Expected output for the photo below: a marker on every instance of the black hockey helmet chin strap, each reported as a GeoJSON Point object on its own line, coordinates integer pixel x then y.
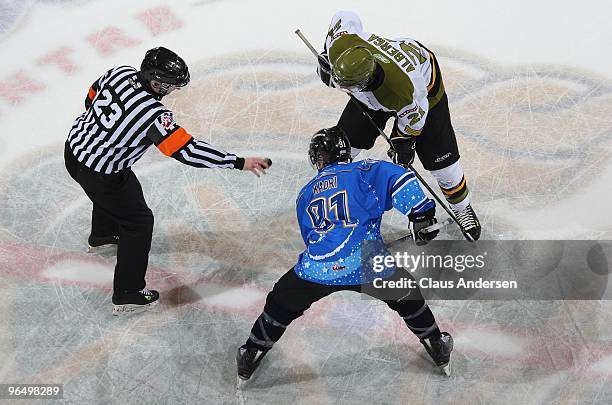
{"type": "Point", "coordinates": [147, 86]}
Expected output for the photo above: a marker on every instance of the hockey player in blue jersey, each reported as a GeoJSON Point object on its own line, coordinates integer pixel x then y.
{"type": "Point", "coordinates": [339, 209]}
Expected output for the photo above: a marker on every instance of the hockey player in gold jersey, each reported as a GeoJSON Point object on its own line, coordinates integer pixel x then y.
{"type": "Point", "coordinates": [397, 78]}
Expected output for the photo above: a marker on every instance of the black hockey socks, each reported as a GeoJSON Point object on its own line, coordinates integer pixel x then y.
{"type": "Point", "coordinates": [417, 316]}
{"type": "Point", "coordinates": [422, 322]}
{"type": "Point", "coordinates": [265, 332]}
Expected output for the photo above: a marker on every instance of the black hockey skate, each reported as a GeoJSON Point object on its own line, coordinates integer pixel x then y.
{"type": "Point", "coordinates": [469, 222]}
{"type": "Point", "coordinates": [101, 242]}
{"type": "Point", "coordinates": [439, 349]}
{"type": "Point", "coordinates": [247, 361]}
{"type": "Point", "coordinates": [133, 302]}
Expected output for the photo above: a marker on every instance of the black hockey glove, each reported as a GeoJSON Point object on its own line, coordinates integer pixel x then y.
{"type": "Point", "coordinates": [419, 223]}
{"type": "Point", "coordinates": [402, 151]}
{"type": "Point", "coordinates": [324, 69]}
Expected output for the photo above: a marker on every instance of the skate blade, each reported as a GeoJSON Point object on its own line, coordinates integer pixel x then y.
{"type": "Point", "coordinates": [101, 248]}
{"type": "Point", "coordinates": [128, 309]}
{"type": "Point", "coordinates": [240, 382]}
{"type": "Point", "coordinates": [446, 369]}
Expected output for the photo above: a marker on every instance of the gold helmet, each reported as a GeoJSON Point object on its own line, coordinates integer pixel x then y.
{"type": "Point", "coordinates": [354, 69]}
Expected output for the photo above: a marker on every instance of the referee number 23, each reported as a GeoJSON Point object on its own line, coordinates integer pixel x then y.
{"type": "Point", "coordinates": [107, 109]}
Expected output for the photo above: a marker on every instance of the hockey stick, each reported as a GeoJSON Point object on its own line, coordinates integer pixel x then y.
{"type": "Point", "coordinates": [382, 133]}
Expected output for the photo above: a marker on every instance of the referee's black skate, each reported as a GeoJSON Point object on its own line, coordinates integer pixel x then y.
{"type": "Point", "coordinates": [439, 349]}
{"type": "Point", "coordinates": [247, 361]}
{"type": "Point", "coordinates": [97, 243]}
{"type": "Point", "coordinates": [133, 302]}
{"type": "Point", "coordinates": [469, 221]}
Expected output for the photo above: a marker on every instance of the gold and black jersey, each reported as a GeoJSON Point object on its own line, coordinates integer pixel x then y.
{"type": "Point", "coordinates": [412, 82]}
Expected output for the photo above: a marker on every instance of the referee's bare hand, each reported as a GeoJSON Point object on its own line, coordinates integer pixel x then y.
{"type": "Point", "coordinates": [255, 165]}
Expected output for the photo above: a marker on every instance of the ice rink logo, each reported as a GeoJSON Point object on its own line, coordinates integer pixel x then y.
{"type": "Point", "coordinates": [527, 135]}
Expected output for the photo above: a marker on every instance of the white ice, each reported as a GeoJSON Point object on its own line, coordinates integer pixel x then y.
{"type": "Point", "coordinates": [530, 90]}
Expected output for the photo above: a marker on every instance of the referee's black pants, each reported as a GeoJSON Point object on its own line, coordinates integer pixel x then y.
{"type": "Point", "coordinates": [119, 208]}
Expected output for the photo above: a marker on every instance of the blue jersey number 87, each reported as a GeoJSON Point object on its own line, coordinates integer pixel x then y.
{"type": "Point", "coordinates": [320, 211]}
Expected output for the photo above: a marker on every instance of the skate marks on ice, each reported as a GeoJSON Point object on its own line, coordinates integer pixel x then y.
{"type": "Point", "coordinates": [529, 135]}
{"type": "Point", "coordinates": [507, 119]}
{"type": "Point", "coordinates": [526, 132]}
{"type": "Point", "coordinates": [492, 363]}
{"type": "Point", "coordinates": [222, 239]}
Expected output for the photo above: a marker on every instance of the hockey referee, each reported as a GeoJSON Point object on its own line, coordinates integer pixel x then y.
{"type": "Point", "coordinates": [123, 117]}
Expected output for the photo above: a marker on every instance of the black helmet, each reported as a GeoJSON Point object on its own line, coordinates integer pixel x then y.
{"type": "Point", "coordinates": [163, 65]}
{"type": "Point", "coordinates": [329, 145]}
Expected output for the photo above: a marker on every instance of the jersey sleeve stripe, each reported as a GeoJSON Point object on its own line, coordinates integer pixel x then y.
{"type": "Point", "coordinates": [433, 72]}
{"type": "Point", "coordinates": [421, 204]}
{"type": "Point", "coordinates": [195, 162]}
{"type": "Point", "coordinates": [402, 181]}
{"type": "Point", "coordinates": [191, 159]}
{"type": "Point", "coordinates": [454, 190]}
{"type": "Point", "coordinates": [174, 142]}
{"type": "Point", "coordinates": [407, 182]}
{"type": "Point", "coordinates": [196, 150]}
{"type": "Point", "coordinates": [92, 93]}
{"type": "Point", "coordinates": [411, 132]}
{"type": "Point", "coordinates": [206, 147]}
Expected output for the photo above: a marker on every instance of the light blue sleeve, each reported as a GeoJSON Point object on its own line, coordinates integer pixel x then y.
{"type": "Point", "coordinates": [398, 188]}
{"type": "Point", "coordinates": [300, 207]}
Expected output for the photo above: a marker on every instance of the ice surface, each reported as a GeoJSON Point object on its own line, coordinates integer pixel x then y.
{"type": "Point", "coordinates": [531, 101]}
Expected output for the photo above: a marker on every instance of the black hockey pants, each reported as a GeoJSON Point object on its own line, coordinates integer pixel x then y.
{"type": "Point", "coordinates": [119, 208]}
{"type": "Point", "coordinates": [291, 296]}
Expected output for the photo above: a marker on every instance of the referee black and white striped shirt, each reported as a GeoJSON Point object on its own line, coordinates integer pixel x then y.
{"type": "Point", "coordinates": [122, 119]}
